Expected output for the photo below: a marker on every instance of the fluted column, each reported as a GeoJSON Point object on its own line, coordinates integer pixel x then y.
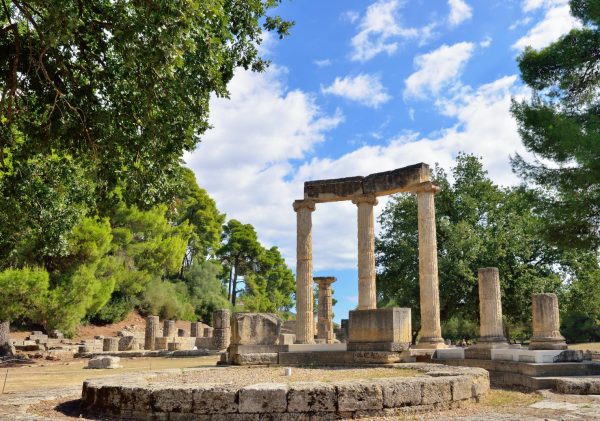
{"type": "Point", "coordinates": [367, 298]}
{"type": "Point", "coordinates": [304, 292]}
{"type": "Point", "coordinates": [546, 323]}
{"type": "Point", "coordinates": [490, 306]}
{"type": "Point", "coordinates": [431, 330]}
{"type": "Point", "coordinates": [325, 311]}
{"type": "Point", "coordinates": [151, 332]}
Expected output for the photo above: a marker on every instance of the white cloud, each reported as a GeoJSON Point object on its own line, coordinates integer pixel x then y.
{"type": "Point", "coordinates": [365, 89]}
{"type": "Point", "coordinates": [557, 21]}
{"type": "Point", "coordinates": [437, 69]}
{"type": "Point", "coordinates": [531, 5]}
{"type": "Point", "coordinates": [460, 11]}
{"type": "Point", "coordinates": [487, 41]}
{"type": "Point", "coordinates": [246, 162]}
{"type": "Point", "coordinates": [322, 63]}
{"type": "Point", "coordinates": [521, 22]}
{"type": "Point", "coordinates": [350, 16]}
{"type": "Point", "coordinates": [379, 30]}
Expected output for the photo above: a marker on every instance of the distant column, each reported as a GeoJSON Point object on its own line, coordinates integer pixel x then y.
{"type": "Point", "coordinates": [195, 329]}
{"type": "Point", "coordinates": [325, 311]}
{"type": "Point", "coordinates": [221, 328]}
{"type": "Point", "coordinates": [367, 294]}
{"type": "Point", "coordinates": [546, 323]}
{"type": "Point", "coordinates": [304, 292]}
{"type": "Point", "coordinates": [151, 332]}
{"type": "Point", "coordinates": [431, 330]}
{"type": "Point", "coordinates": [490, 306]}
{"type": "Point", "coordinates": [110, 344]}
{"type": "Point", "coordinates": [169, 329]}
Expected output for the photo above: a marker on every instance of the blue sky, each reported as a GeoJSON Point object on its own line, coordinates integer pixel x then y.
{"type": "Point", "coordinates": [366, 86]}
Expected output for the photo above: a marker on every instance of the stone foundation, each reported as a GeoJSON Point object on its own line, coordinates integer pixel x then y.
{"type": "Point", "coordinates": [384, 329]}
{"type": "Point", "coordinates": [439, 387]}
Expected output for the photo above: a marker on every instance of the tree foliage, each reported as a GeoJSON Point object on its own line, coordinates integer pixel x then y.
{"type": "Point", "coordinates": [561, 125]}
{"type": "Point", "coordinates": [478, 225]}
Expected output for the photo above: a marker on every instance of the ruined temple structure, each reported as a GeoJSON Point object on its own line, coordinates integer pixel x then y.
{"type": "Point", "coordinates": [363, 192]}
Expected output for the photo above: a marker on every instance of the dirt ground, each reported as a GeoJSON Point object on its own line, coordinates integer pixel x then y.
{"type": "Point", "coordinates": [51, 391]}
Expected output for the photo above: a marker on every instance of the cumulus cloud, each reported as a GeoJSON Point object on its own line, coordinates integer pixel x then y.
{"type": "Point", "coordinates": [364, 88]}
{"type": "Point", "coordinates": [260, 151]}
{"type": "Point", "coordinates": [556, 22]}
{"type": "Point", "coordinates": [437, 69]}
{"type": "Point", "coordinates": [322, 63]}
{"type": "Point", "coordinates": [379, 30]}
{"type": "Point", "coordinates": [350, 16]}
{"type": "Point", "coordinates": [460, 11]}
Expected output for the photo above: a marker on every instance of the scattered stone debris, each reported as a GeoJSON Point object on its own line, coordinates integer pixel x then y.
{"type": "Point", "coordinates": [104, 362]}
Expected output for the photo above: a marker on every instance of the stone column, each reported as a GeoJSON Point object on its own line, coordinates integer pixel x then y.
{"type": "Point", "coordinates": [195, 329]}
{"type": "Point", "coordinates": [221, 329]}
{"type": "Point", "coordinates": [151, 332]}
{"type": "Point", "coordinates": [304, 292]}
{"type": "Point", "coordinates": [367, 295]}
{"type": "Point", "coordinates": [169, 329]}
{"type": "Point", "coordinates": [431, 330]}
{"type": "Point", "coordinates": [546, 323]}
{"type": "Point", "coordinates": [325, 311]}
{"type": "Point", "coordinates": [490, 307]}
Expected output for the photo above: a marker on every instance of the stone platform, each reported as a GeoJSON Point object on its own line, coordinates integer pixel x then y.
{"type": "Point", "coordinates": [134, 397]}
{"type": "Point", "coordinates": [534, 376]}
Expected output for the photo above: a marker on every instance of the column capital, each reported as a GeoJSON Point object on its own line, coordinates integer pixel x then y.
{"type": "Point", "coordinates": [324, 280]}
{"type": "Point", "coordinates": [365, 198]}
{"type": "Point", "coordinates": [304, 204]}
{"type": "Point", "coordinates": [426, 187]}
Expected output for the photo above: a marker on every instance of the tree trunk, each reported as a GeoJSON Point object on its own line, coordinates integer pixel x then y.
{"type": "Point", "coordinates": [234, 289]}
{"type": "Point", "coordinates": [230, 282]}
{"type": "Point", "coordinates": [5, 347]}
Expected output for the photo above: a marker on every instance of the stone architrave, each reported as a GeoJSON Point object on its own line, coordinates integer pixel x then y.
{"type": "Point", "coordinates": [367, 298]}
{"type": "Point", "coordinates": [169, 330]}
{"type": "Point", "coordinates": [325, 309]}
{"type": "Point", "coordinates": [304, 292]}
{"type": "Point", "coordinates": [546, 323]}
{"type": "Point", "coordinates": [491, 331]}
{"type": "Point", "coordinates": [151, 332]}
{"type": "Point", "coordinates": [431, 329]}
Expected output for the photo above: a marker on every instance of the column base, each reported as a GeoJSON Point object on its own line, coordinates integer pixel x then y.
{"type": "Point", "coordinates": [547, 343]}
{"type": "Point", "coordinates": [482, 350]}
{"type": "Point", "coordinates": [431, 343]}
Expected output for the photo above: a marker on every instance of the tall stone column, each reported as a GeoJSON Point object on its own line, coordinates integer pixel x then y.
{"type": "Point", "coordinates": [169, 330]}
{"type": "Point", "coordinates": [304, 292]}
{"type": "Point", "coordinates": [325, 311]}
{"type": "Point", "coordinates": [431, 330]}
{"type": "Point", "coordinates": [367, 295]}
{"type": "Point", "coordinates": [546, 323]}
{"type": "Point", "coordinates": [151, 332]}
{"type": "Point", "coordinates": [490, 307]}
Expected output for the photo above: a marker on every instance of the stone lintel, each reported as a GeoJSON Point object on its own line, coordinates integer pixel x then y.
{"type": "Point", "coordinates": [378, 184]}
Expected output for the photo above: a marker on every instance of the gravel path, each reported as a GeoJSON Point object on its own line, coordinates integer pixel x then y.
{"type": "Point", "coordinates": [243, 376]}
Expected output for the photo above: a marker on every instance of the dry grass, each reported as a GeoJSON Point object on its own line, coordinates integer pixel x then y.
{"type": "Point", "coordinates": [243, 376]}
{"type": "Point", "coordinates": [591, 346]}
{"type": "Point", "coordinates": [499, 398]}
{"type": "Point", "coordinates": [60, 374]}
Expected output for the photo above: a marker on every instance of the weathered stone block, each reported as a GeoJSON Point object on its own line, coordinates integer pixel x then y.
{"type": "Point", "coordinates": [436, 390]}
{"type": "Point", "coordinates": [569, 356]}
{"type": "Point", "coordinates": [208, 332]}
{"type": "Point", "coordinates": [161, 343]}
{"type": "Point", "coordinates": [263, 398]}
{"type": "Point", "coordinates": [255, 359]}
{"type": "Point", "coordinates": [196, 330]}
{"type": "Point", "coordinates": [182, 333]}
{"type": "Point", "coordinates": [172, 400]}
{"type": "Point", "coordinates": [174, 346]}
{"type": "Point", "coordinates": [104, 362]}
{"type": "Point", "coordinates": [255, 328]}
{"type": "Point", "coordinates": [403, 392]}
{"type": "Point", "coordinates": [287, 339]}
{"type": "Point", "coordinates": [311, 397]}
{"type": "Point", "coordinates": [136, 399]}
{"type": "Point", "coordinates": [355, 396]}
{"type": "Point", "coordinates": [110, 344]}
{"type": "Point", "coordinates": [385, 329]}
{"type": "Point", "coordinates": [214, 399]}
{"type": "Point", "coordinates": [462, 388]}
{"type": "Point", "coordinates": [221, 338]}
{"type": "Point", "coordinates": [128, 343]}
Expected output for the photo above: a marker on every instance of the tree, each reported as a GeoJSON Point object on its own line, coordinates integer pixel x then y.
{"type": "Point", "coordinates": [239, 253]}
{"type": "Point", "coordinates": [23, 292]}
{"type": "Point", "coordinates": [123, 86]}
{"type": "Point", "coordinates": [561, 125]}
{"type": "Point", "coordinates": [270, 289]}
{"type": "Point", "coordinates": [205, 288]}
{"type": "Point", "coordinates": [478, 225]}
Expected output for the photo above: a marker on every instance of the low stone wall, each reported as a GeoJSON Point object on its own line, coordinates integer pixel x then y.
{"type": "Point", "coordinates": [134, 398]}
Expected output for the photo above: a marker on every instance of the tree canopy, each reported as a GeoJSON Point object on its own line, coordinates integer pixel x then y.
{"type": "Point", "coordinates": [560, 124]}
